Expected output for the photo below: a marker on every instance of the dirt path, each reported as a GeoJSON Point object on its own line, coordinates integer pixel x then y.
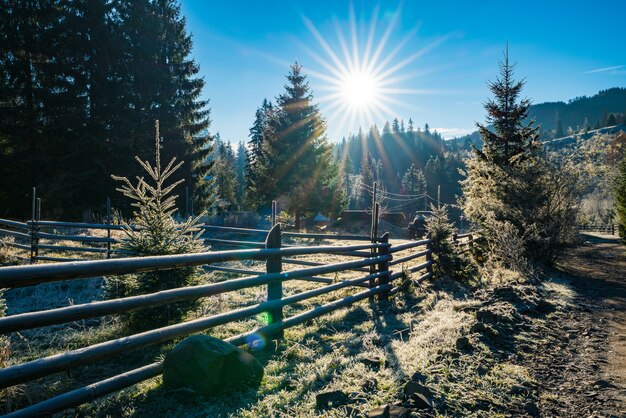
{"type": "Point", "coordinates": [583, 368]}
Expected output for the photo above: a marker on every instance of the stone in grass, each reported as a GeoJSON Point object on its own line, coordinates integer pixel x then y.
{"type": "Point", "coordinates": [332, 399]}
{"type": "Point", "coordinates": [374, 361]}
{"type": "Point", "coordinates": [463, 343]}
{"type": "Point", "coordinates": [208, 365]}
{"type": "Point", "coordinates": [419, 395]}
{"type": "Point", "coordinates": [531, 409]}
{"type": "Point", "coordinates": [419, 377]}
{"type": "Point", "coordinates": [389, 411]}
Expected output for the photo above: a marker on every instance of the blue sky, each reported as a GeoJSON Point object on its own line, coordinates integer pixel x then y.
{"type": "Point", "coordinates": [564, 49]}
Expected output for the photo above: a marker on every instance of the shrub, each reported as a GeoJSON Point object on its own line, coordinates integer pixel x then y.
{"type": "Point", "coordinates": [8, 254]}
{"type": "Point", "coordinates": [157, 233]}
{"type": "Point", "coordinates": [447, 261]}
{"type": "Point", "coordinates": [511, 181]}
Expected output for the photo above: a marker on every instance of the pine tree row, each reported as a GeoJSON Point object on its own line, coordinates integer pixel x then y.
{"type": "Point", "coordinates": [82, 84]}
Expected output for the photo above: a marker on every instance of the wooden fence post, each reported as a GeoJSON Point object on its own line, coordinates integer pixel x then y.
{"type": "Point", "coordinates": [109, 227]}
{"type": "Point", "coordinates": [372, 226]}
{"type": "Point", "coordinates": [273, 213]}
{"type": "Point", "coordinates": [274, 265]}
{"type": "Point", "coordinates": [455, 238]}
{"type": "Point", "coordinates": [383, 267]}
{"type": "Point", "coordinates": [33, 244]}
{"type": "Point", "coordinates": [471, 240]}
{"type": "Point", "coordinates": [429, 256]}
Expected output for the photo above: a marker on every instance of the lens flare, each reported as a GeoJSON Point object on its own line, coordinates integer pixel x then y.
{"type": "Point", "coordinates": [265, 318]}
{"type": "Point", "coordinates": [255, 341]}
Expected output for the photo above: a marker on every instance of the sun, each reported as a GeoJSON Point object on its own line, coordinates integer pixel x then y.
{"type": "Point", "coordinates": [359, 90]}
{"type": "Point", "coordinates": [360, 74]}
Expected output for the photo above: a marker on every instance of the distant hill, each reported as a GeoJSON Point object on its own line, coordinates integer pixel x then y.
{"type": "Point", "coordinates": [582, 112]}
{"type": "Point", "coordinates": [607, 108]}
{"type": "Point", "coordinates": [559, 143]}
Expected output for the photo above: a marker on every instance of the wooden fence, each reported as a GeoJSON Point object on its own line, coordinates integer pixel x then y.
{"type": "Point", "coordinates": [373, 263]}
{"type": "Point", "coordinates": [44, 240]}
{"type": "Point", "coordinates": [607, 229]}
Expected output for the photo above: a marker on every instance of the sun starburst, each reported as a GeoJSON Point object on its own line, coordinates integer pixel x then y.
{"type": "Point", "coordinates": [361, 77]}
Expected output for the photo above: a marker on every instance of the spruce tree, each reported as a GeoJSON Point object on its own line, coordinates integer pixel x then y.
{"type": "Point", "coordinates": [259, 186]}
{"type": "Point", "coordinates": [611, 120]}
{"type": "Point", "coordinates": [157, 233]}
{"type": "Point", "coordinates": [414, 183]}
{"type": "Point", "coordinates": [224, 175]}
{"type": "Point", "coordinates": [511, 139]}
{"type": "Point", "coordinates": [510, 182]}
{"type": "Point", "coordinates": [559, 130]}
{"type": "Point", "coordinates": [297, 153]}
{"type": "Point", "coordinates": [241, 159]}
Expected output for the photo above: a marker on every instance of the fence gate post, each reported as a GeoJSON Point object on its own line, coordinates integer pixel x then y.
{"type": "Point", "coordinates": [383, 267]}
{"type": "Point", "coordinates": [32, 226]}
{"type": "Point", "coordinates": [274, 265]}
{"type": "Point", "coordinates": [109, 228]}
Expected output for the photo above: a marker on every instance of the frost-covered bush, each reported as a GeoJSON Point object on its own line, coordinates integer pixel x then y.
{"type": "Point", "coordinates": [447, 261]}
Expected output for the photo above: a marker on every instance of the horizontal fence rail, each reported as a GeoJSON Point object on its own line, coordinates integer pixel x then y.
{"type": "Point", "coordinates": [369, 264]}
{"type": "Point", "coordinates": [18, 276]}
{"type": "Point", "coordinates": [34, 231]}
{"type": "Point", "coordinates": [610, 228]}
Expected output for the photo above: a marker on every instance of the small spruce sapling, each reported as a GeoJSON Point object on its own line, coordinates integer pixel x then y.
{"type": "Point", "coordinates": [156, 232]}
{"type": "Point", "coordinates": [447, 261]}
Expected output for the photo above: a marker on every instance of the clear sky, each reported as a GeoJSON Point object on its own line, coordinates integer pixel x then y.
{"type": "Point", "coordinates": [440, 56]}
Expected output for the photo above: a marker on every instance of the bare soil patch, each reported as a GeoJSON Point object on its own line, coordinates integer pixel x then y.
{"type": "Point", "coordinates": [583, 370]}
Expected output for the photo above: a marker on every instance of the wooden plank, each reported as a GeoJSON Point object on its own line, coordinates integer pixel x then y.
{"type": "Point", "coordinates": [246, 231]}
{"type": "Point", "coordinates": [115, 383]}
{"type": "Point", "coordinates": [69, 248]}
{"type": "Point", "coordinates": [15, 234]}
{"type": "Point", "coordinates": [402, 247]}
{"type": "Point", "coordinates": [89, 393]}
{"type": "Point", "coordinates": [58, 259]}
{"type": "Point", "coordinates": [16, 374]}
{"type": "Point", "coordinates": [232, 243]}
{"type": "Point", "coordinates": [30, 320]}
{"type": "Point", "coordinates": [80, 225]}
{"type": "Point", "coordinates": [274, 265]}
{"type": "Point", "coordinates": [409, 257]}
{"type": "Point", "coordinates": [309, 315]}
{"type": "Point", "coordinates": [16, 245]}
{"type": "Point", "coordinates": [80, 238]}
{"type": "Point", "coordinates": [326, 236]}
{"type": "Point", "coordinates": [14, 224]}
{"type": "Point", "coordinates": [17, 276]}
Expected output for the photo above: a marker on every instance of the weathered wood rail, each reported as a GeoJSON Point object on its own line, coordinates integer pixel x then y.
{"type": "Point", "coordinates": [44, 240]}
{"type": "Point", "coordinates": [372, 264]}
{"type": "Point", "coordinates": [607, 229]}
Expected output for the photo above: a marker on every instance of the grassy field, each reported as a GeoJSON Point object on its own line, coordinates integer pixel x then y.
{"type": "Point", "coordinates": [368, 351]}
{"type": "Point", "coordinates": [32, 344]}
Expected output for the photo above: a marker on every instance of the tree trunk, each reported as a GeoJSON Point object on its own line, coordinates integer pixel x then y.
{"type": "Point", "coordinates": [298, 215]}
